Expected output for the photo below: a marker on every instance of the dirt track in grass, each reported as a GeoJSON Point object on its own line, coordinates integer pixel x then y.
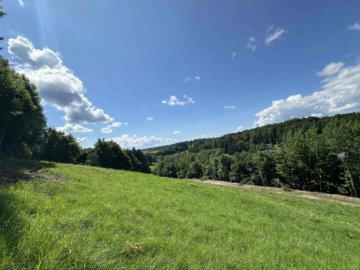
{"type": "Point", "coordinates": [345, 200]}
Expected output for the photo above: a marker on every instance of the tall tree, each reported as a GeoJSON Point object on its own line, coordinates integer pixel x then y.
{"type": "Point", "coordinates": [22, 120]}
{"type": "Point", "coordinates": [109, 154]}
{"type": "Point", "coordinates": [59, 147]}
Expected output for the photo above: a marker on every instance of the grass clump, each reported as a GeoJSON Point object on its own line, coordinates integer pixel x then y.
{"type": "Point", "coordinates": [107, 219]}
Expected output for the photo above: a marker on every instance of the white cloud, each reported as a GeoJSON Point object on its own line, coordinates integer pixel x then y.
{"type": "Point", "coordinates": [109, 129]}
{"type": "Point", "coordinates": [270, 27]}
{"type": "Point", "coordinates": [150, 118]}
{"type": "Point", "coordinates": [233, 55]}
{"type": "Point", "coordinates": [73, 128]}
{"type": "Point", "coordinates": [317, 115]}
{"type": "Point", "coordinates": [250, 44]}
{"type": "Point", "coordinates": [21, 2]}
{"type": "Point", "coordinates": [355, 26]}
{"type": "Point", "coordinates": [118, 124]}
{"type": "Point", "coordinates": [275, 35]}
{"type": "Point", "coordinates": [189, 99]}
{"type": "Point", "coordinates": [177, 132]}
{"type": "Point", "coordinates": [203, 136]}
{"type": "Point", "coordinates": [81, 140]}
{"type": "Point", "coordinates": [331, 69]}
{"type": "Point", "coordinates": [190, 78]}
{"type": "Point", "coordinates": [340, 94]}
{"type": "Point", "coordinates": [126, 141]}
{"type": "Point", "coordinates": [175, 101]}
{"type": "Point", "coordinates": [239, 128]}
{"type": "Point", "coordinates": [56, 83]}
{"type": "Point", "coordinates": [229, 107]}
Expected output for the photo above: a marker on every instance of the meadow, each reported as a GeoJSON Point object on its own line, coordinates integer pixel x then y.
{"type": "Point", "coordinates": [79, 217]}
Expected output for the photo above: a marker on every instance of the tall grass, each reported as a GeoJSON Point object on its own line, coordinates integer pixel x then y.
{"type": "Point", "coordinates": [95, 218]}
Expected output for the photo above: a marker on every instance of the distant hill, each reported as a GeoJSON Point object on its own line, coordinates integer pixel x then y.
{"type": "Point", "coordinates": [253, 139]}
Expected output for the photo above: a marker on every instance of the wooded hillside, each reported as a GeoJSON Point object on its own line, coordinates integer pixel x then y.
{"type": "Point", "coordinates": [316, 154]}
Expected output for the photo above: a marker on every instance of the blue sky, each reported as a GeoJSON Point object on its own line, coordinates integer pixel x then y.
{"type": "Point", "coordinates": [148, 73]}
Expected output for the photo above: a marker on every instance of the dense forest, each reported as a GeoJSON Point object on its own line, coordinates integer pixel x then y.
{"type": "Point", "coordinates": [315, 154]}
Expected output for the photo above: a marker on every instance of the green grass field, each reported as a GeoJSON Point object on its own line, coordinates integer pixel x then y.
{"type": "Point", "coordinates": [80, 217]}
{"type": "Point", "coordinates": [153, 166]}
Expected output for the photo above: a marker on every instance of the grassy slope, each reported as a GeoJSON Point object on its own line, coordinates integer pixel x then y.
{"type": "Point", "coordinates": [107, 219]}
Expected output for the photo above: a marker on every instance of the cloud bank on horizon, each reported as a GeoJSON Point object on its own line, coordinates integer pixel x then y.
{"type": "Point", "coordinates": [340, 94]}
{"type": "Point", "coordinates": [127, 141]}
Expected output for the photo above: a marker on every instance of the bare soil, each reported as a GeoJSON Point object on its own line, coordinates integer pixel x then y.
{"type": "Point", "coordinates": [8, 176]}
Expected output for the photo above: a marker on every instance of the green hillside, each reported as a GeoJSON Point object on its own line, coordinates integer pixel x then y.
{"type": "Point", "coordinates": [254, 139]}
{"type": "Point", "coordinates": [78, 217]}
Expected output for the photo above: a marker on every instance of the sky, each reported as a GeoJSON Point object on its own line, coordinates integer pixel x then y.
{"type": "Point", "coordinates": [146, 73]}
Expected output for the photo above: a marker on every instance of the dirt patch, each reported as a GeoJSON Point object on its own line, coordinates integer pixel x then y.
{"type": "Point", "coordinates": [8, 176]}
{"type": "Point", "coordinates": [345, 200]}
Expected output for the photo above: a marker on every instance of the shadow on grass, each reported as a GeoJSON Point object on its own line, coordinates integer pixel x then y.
{"type": "Point", "coordinates": [14, 170]}
{"type": "Point", "coordinates": [10, 223]}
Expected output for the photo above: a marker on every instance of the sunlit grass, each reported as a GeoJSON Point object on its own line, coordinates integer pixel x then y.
{"type": "Point", "coordinates": [108, 219]}
{"type": "Point", "coordinates": [153, 166]}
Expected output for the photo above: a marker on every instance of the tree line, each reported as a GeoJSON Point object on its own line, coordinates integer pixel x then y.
{"type": "Point", "coordinates": [24, 134]}
{"type": "Point", "coordinates": [315, 154]}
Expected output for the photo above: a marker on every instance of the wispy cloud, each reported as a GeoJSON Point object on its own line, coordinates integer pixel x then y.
{"type": "Point", "coordinates": [150, 118]}
{"type": "Point", "coordinates": [340, 94]}
{"type": "Point", "coordinates": [251, 44]}
{"type": "Point", "coordinates": [81, 140]}
{"type": "Point", "coordinates": [175, 101]}
{"type": "Point", "coordinates": [355, 26]}
{"type": "Point", "coordinates": [270, 27]}
{"type": "Point", "coordinates": [233, 55]}
{"type": "Point", "coordinates": [239, 128]}
{"type": "Point", "coordinates": [21, 2]}
{"type": "Point", "coordinates": [229, 107]}
{"type": "Point", "coordinates": [109, 128]}
{"type": "Point", "coordinates": [176, 132]}
{"type": "Point", "coordinates": [190, 78]}
{"type": "Point", "coordinates": [274, 35]}
{"type": "Point", "coordinates": [73, 128]}
{"type": "Point", "coordinates": [331, 69]}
